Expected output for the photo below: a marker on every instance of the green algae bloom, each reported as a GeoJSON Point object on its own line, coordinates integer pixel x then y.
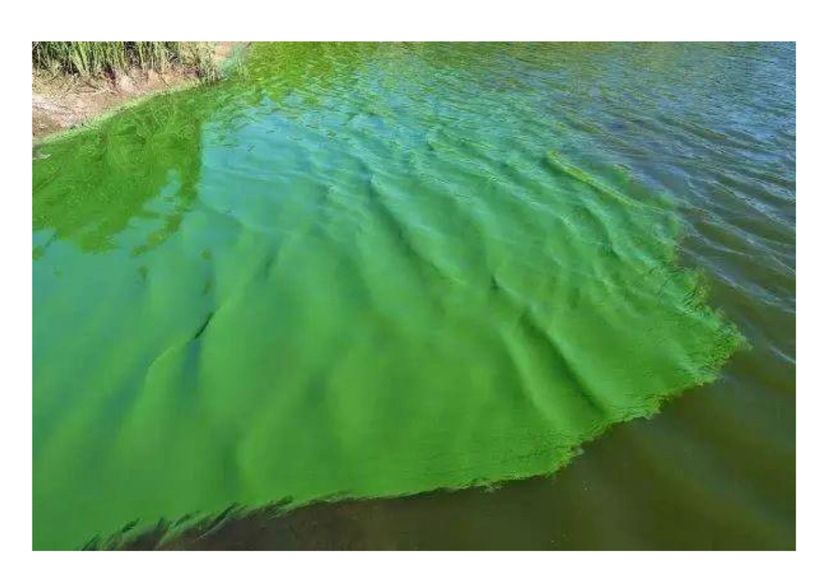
{"type": "Point", "coordinates": [350, 271]}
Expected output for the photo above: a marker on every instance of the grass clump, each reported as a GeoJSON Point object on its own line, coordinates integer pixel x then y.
{"type": "Point", "coordinates": [97, 58]}
{"type": "Point", "coordinates": [199, 57]}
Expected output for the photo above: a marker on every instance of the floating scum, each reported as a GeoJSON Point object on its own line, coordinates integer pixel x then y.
{"type": "Point", "coordinates": [350, 272]}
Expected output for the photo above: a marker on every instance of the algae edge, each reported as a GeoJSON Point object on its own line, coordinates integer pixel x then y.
{"type": "Point", "coordinates": [726, 341]}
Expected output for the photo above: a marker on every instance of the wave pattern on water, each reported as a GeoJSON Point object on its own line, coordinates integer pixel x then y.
{"type": "Point", "coordinates": [379, 270]}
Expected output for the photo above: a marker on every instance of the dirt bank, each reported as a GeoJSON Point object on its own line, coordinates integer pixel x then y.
{"type": "Point", "coordinates": [61, 102]}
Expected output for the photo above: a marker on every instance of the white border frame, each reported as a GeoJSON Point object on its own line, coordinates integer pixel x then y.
{"type": "Point", "coordinates": [795, 20]}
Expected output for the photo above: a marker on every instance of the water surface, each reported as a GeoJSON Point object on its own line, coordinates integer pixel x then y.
{"type": "Point", "coordinates": [361, 271]}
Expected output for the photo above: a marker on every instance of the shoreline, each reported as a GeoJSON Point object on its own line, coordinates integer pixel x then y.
{"type": "Point", "coordinates": [64, 104]}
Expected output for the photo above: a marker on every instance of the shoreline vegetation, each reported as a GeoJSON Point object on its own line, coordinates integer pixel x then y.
{"type": "Point", "coordinates": [77, 83]}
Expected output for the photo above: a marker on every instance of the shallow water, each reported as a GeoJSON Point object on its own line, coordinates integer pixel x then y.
{"type": "Point", "coordinates": [379, 270]}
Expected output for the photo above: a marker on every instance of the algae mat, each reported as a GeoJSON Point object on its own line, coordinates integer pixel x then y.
{"type": "Point", "coordinates": [348, 271]}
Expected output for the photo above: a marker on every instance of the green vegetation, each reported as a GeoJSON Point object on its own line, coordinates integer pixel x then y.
{"type": "Point", "coordinates": [96, 58]}
{"type": "Point", "coordinates": [313, 283]}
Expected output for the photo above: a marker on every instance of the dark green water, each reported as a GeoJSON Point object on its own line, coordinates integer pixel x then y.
{"type": "Point", "coordinates": [379, 270]}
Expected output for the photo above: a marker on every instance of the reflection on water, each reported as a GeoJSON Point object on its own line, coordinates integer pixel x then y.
{"type": "Point", "coordinates": [362, 270]}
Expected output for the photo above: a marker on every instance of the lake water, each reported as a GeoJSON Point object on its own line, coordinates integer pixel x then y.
{"type": "Point", "coordinates": [463, 294]}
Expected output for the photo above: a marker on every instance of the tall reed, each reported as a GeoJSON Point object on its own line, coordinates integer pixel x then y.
{"type": "Point", "coordinates": [96, 58]}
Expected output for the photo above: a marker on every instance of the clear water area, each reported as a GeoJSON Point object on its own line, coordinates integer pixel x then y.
{"type": "Point", "coordinates": [366, 273]}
